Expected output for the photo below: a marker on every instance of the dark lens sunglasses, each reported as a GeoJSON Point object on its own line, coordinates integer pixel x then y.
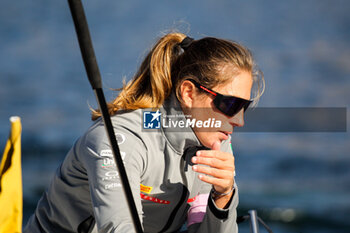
{"type": "Point", "coordinates": [227, 104]}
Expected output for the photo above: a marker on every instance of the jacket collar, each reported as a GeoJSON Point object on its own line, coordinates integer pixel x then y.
{"type": "Point", "coordinates": [180, 138]}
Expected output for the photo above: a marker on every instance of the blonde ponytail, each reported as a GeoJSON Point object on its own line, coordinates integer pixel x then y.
{"type": "Point", "coordinates": [166, 66]}
{"type": "Point", "coordinates": [152, 83]}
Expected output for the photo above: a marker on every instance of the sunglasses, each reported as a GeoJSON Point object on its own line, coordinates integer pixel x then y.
{"type": "Point", "coordinates": [227, 104]}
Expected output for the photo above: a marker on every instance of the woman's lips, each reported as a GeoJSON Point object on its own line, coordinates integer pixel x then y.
{"type": "Point", "coordinates": [226, 132]}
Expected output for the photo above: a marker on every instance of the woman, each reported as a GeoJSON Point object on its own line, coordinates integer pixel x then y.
{"type": "Point", "coordinates": [174, 136]}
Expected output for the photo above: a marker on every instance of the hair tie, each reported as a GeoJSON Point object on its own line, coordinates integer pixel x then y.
{"type": "Point", "coordinates": [185, 43]}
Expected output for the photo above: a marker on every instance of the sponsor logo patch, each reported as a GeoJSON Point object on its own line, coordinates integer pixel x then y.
{"type": "Point", "coordinates": [112, 185]}
{"type": "Point", "coordinates": [153, 199]}
{"type": "Point", "coordinates": [106, 153]}
{"type": "Point", "coordinates": [120, 138]}
{"type": "Point", "coordinates": [108, 161]}
{"type": "Point", "coordinates": [111, 175]}
{"type": "Point", "coordinates": [145, 189]}
{"type": "Point", "coordinates": [192, 199]}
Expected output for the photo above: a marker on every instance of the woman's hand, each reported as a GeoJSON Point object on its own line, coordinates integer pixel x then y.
{"type": "Point", "coordinates": [219, 171]}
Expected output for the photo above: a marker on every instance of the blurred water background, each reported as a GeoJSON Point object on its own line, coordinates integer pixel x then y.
{"type": "Point", "coordinates": [298, 182]}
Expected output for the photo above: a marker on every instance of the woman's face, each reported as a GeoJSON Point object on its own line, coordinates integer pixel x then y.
{"type": "Point", "coordinates": [199, 105]}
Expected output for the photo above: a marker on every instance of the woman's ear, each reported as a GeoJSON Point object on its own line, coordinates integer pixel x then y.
{"type": "Point", "coordinates": [188, 91]}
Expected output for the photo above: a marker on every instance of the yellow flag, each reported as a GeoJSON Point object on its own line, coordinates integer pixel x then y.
{"type": "Point", "coordinates": [11, 204]}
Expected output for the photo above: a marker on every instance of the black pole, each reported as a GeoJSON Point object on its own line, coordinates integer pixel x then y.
{"type": "Point", "coordinates": [92, 70]}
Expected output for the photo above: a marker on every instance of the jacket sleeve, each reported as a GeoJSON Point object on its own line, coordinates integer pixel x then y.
{"type": "Point", "coordinates": [108, 202]}
{"type": "Point", "coordinates": [213, 218]}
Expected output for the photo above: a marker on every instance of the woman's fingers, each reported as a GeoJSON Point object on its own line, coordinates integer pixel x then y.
{"type": "Point", "coordinates": [215, 163]}
{"type": "Point", "coordinates": [216, 159]}
{"type": "Point", "coordinates": [212, 162]}
{"type": "Point", "coordinates": [214, 154]}
{"type": "Point", "coordinates": [221, 185]}
{"type": "Point", "coordinates": [217, 173]}
{"type": "Point", "coordinates": [219, 169]}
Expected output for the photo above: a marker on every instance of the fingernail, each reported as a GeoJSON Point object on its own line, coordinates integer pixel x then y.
{"type": "Point", "coordinates": [198, 153]}
{"type": "Point", "coordinates": [194, 159]}
{"type": "Point", "coordinates": [200, 176]}
{"type": "Point", "coordinates": [194, 168]}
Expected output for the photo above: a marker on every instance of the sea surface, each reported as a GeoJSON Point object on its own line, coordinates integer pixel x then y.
{"type": "Point", "coordinates": [299, 182]}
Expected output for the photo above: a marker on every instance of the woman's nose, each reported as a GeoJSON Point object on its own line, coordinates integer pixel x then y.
{"type": "Point", "coordinates": [238, 119]}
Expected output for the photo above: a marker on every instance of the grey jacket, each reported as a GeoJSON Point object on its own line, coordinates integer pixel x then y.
{"type": "Point", "coordinates": [85, 194]}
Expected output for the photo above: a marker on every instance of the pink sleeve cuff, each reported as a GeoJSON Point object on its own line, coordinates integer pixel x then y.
{"type": "Point", "coordinates": [197, 210]}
